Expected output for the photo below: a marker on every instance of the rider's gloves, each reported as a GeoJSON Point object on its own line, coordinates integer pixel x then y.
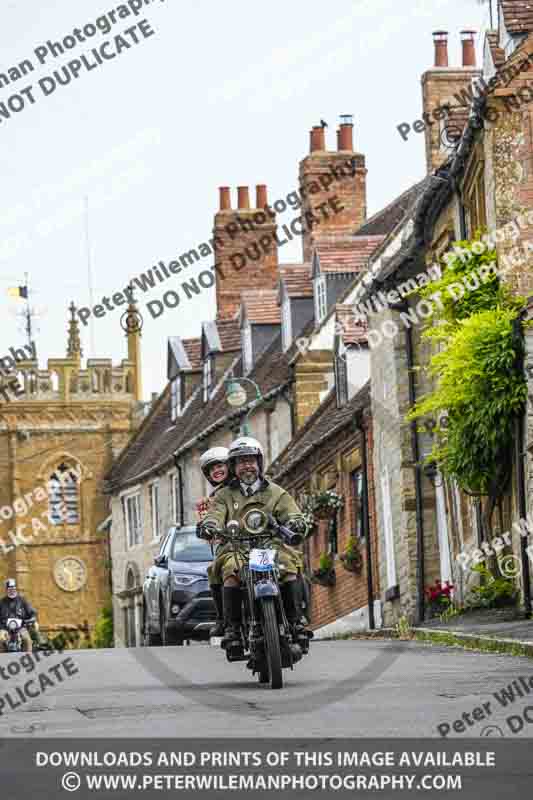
{"type": "Point", "coordinates": [297, 525]}
{"type": "Point", "coordinates": [206, 530]}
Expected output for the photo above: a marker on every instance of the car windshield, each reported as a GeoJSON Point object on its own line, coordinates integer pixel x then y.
{"type": "Point", "coordinates": [188, 547]}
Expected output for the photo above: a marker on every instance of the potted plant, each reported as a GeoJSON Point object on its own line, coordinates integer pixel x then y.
{"type": "Point", "coordinates": [325, 574]}
{"type": "Point", "coordinates": [352, 559]}
{"type": "Point", "coordinates": [493, 592]}
{"type": "Point", "coordinates": [326, 504]}
{"type": "Point", "coordinates": [439, 597]}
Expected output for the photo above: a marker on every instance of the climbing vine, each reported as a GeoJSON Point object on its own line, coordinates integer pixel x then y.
{"type": "Point", "coordinates": [479, 388]}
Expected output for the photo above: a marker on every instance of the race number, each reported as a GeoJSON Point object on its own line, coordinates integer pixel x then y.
{"type": "Point", "coordinates": [262, 560]}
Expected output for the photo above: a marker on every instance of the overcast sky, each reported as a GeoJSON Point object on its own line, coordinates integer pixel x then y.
{"type": "Point", "coordinates": [222, 94]}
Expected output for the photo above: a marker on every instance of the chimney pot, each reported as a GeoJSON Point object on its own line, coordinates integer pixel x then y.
{"type": "Point", "coordinates": [440, 38]}
{"type": "Point", "coordinates": [469, 48]}
{"type": "Point", "coordinates": [261, 195]}
{"type": "Point", "coordinates": [318, 139]}
{"type": "Point", "coordinates": [225, 198]}
{"type": "Point", "coordinates": [345, 135]}
{"type": "Point", "coordinates": [243, 197]}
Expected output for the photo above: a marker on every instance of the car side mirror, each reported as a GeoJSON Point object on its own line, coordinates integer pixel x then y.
{"type": "Point", "coordinates": [160, 561]}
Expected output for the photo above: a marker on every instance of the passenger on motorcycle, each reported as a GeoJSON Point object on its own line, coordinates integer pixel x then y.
{"type": "Point", "coordinates": [14, 605]}
{"type": "Point", "coordinates": [247, 489]}
{"type": "Point", "coordinates": [214, 465]}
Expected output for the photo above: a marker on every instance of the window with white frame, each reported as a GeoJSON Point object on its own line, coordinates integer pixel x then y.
{"type": "Point", "coordinates": [175, 497]}
{"type": "Point", "coordinates": [208, 377]}
{"type": "Point", "coordinates": [154, 510]}
{"type": "Point", "coordinates": [341, 375]}
{"type": "Point", "coordinates": [286, 325]}
{"type": "Point", "coordinates": [321, 304]}
{"type": "Point", "coordinates": [63, 496]}
{"type": "Point", "coordinates": [132, 517]}
{"type": "Point", "coordinates": [247, 348]}
{"type": "Point", "coordinates": [175, 398]}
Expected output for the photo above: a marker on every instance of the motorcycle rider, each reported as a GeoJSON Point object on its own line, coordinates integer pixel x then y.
{"type": "Point", "coordinates": [14, 605]}
{"type": "Point", "coordinates": [248, 488]}
{"type": "Point", "coordinates": [214, 465]}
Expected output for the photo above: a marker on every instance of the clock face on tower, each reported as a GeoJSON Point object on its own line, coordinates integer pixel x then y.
{"type": "Point", "coordinates": [70, 573]}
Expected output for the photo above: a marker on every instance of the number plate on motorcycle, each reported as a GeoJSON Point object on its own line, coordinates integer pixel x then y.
{"type": "Point", "coordinates": [262, 560]}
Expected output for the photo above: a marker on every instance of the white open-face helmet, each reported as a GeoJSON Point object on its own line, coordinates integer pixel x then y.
{"type": "Point", "coordinates": [212, 456]}
{"type": "Point", "coordinates": [246, 446]}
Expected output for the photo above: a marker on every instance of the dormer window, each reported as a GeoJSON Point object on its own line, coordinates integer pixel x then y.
{"type": "Point", "coordinates": [321, 305]}
{"type": "Point", "coordinates": [175, 398]}
{"type": "Point", "coordinates": [247, 348]}
{"type": "Point", "coordinates": [208, 377]}
{"type": "Point", "coordinates": [286, 325]}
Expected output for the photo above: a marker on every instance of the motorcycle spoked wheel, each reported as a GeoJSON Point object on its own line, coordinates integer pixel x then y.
{"type": "Point", "coordinates": [272, 645]}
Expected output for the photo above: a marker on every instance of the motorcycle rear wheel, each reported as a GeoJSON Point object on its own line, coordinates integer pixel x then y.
{"type": "Point", "coordinates": [272, 646]}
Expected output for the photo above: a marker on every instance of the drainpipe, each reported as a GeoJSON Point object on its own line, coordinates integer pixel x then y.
{"type": "Point", "coordinates": [462, 212]}
{"type": "Point", "coordinates": [366, 523]}
{"type": "Point", "coordinates": [180, 485]}
{"type": "Point", "coordinates": [520, 456]}
{"type": "Point", "coordinates": [420, 552]}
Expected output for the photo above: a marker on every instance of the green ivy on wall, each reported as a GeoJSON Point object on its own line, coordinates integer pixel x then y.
{"type": "Point", "coordinates": [479, 385]}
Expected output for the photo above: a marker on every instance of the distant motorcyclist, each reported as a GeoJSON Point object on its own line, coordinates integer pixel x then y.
{"type": "Point", "coordinates": [13, 605]}
{"type": "Point", "coordinates": [214, 465]}
{"type": "Point", "coordinates": [247, 489]}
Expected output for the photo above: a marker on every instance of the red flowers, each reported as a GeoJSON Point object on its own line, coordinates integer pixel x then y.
{"type": "Point", "coordinates": [439, 593]}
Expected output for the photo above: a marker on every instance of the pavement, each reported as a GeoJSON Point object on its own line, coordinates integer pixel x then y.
{"type": "Point", "coordinates": [500, 624]}
{"type": "Point", "coordinates": [364, 688]}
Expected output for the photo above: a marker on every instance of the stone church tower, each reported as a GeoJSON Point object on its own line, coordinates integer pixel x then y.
{"type": "Point", "coordinates": [58, 438]}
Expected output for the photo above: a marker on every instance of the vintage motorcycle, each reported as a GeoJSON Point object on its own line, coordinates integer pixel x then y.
{"type": "Point", "coordinates": [14, 626]}
{"type": "Point", "coordinates": [268, 643]}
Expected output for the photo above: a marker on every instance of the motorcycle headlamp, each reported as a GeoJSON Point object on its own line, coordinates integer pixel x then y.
{"type": "Point", "coordinates": [255, 521]}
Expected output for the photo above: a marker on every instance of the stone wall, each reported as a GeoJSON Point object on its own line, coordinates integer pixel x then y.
{"type": "Point", "coordinates": [33, 447]}
{"type": "Point", "coordinates": [311, 372]}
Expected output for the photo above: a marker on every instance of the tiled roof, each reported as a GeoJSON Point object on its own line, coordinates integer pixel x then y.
{"type": "Point", "coordinates": [327, 420]}
{"type": "Point", "coordinates": [385, 220]}
{"type": "Point", "coordinates": [261, 306]}
{"type": "Point", "coordinates": [498, 54]}
{"type": "Point", "coordinates": [153, 447]}
{"type": "Point", "coordinates": [353, 332]}
{"type": "Point", "coordinates": [345, 253]}
{"type": "Point", "coordinates": [230, 334]}
{"type": "Point", "coordinates": [296, 279]}
{"type": "Point", "coordinates": [193, 348]}
{"type": "Point", "coordinates": [518, 15]}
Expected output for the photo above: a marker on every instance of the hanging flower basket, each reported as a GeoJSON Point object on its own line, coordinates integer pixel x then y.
{"type": "Point", "coordinates": [324, 577]}
{"type": "Point", "coordinates": [352, 559]}
{"type": "Point", "coordinates": [325, 574]}
{"type": "Point", "coordinates": [310, 521]}
{"type": "Point", "coordinates": [325, 505]}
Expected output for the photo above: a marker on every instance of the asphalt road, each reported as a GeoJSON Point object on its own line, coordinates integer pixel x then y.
{"type": "Point", "coordinates": [343, 688]}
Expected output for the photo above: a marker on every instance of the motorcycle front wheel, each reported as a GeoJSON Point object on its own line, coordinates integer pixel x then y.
{"type": "Point", "coordinates": [272, 646]}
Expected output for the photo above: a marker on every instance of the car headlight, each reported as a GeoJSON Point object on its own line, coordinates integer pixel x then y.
{"type": "Point", "coordinates": [186, 580]}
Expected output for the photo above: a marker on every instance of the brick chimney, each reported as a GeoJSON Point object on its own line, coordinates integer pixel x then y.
{"type": "Point", "coordinates": [339, 174]}
{"type": "Point", "coordinates": [246, 252]}
{"type": "Point", "coordinates": [469, 48]}
{"type": "Point", "coordinates": [440, 85]}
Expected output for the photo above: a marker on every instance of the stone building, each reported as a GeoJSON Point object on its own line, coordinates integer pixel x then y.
{"type": "Point", "coordinates": [481, 180]}
{"type": "Point", "coordinates": [58, 438]}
